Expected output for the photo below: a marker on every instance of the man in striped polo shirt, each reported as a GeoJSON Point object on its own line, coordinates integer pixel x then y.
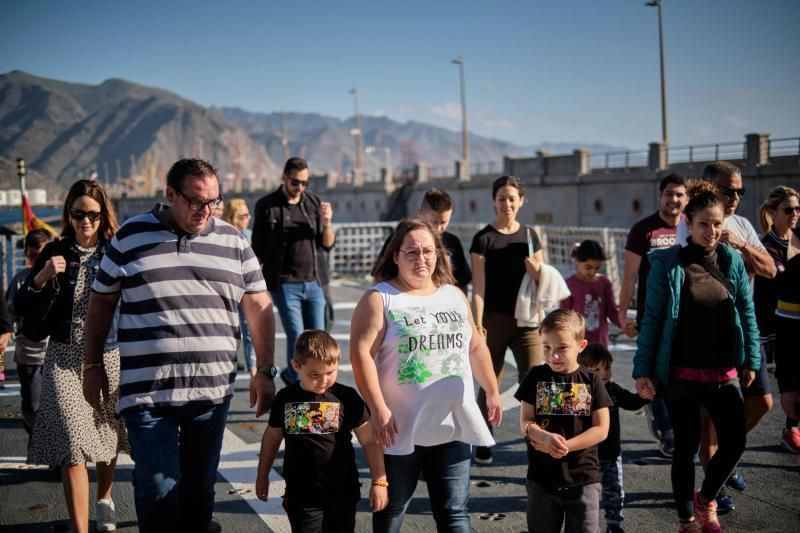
{"type": "Point", "coordinates": [179, 275]}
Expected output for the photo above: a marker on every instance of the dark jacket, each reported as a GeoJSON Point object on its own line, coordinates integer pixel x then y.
{"type": "Point", "coordinates": [611, 448]}
{"type": "Point", "coordinates": [270, 237]}
{"type": "Point", "coordinates": [662, 306]}
{"type": "Point", "coordinates": [59, 319]}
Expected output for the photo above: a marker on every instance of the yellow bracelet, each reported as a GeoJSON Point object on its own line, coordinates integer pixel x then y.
{"type": "Point", "coordinates": [527, 427]}
{"type": "Point", "coordinates": [380, 483]}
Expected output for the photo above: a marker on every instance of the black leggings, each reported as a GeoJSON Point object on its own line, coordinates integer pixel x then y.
{"type": "Point", "coordinates": [725, 406]}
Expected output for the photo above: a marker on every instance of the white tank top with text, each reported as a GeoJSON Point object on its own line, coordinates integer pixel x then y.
{"type": "Point", "coordinates": [424, 370]}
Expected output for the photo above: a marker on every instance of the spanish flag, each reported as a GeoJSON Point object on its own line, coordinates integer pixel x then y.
{"type": "Point", "coordinates": [31, 221]}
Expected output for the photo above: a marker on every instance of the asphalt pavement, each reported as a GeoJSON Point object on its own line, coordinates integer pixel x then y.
{"type": "Point", "coordinates": [32, 500]}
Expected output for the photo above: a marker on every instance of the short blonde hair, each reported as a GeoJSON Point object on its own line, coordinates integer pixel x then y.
{"type": "Point", "coordinates": [232, 206]}
{"type": "Point", "coordinates": [316, 344]}
{"type": "Point", "coordinates": [565, 320]}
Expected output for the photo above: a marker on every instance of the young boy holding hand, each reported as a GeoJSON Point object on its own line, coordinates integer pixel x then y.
{"type": "Point", "coordinates": [563, 416]}
{"type": "Point", "coordinates": [317, 416]}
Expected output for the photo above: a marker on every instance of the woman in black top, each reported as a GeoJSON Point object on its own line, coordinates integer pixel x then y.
{"type": "Point", "coordinates": [502, 253]}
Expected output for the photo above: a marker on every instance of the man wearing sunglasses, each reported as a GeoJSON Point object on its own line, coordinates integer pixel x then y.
{"type": "Point", "coordinates": [738, 233]}
{"type": "Point", "coordinates": [292, 233]}
{"type": "Point", "coordinates": [178, 272]}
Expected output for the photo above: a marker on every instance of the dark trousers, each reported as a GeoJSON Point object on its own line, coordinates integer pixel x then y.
{"type": "Point", "coordinates": [30, 388]}
{"type": "Point", "coordinates": [725, 406]}
{"type": "Point", "coordinates": [577, 509]}
{"type": "Point", "coordinates": [176, 452]}
{"type": "Point", "coordinates": [328, 514]}
{"type": "Point", "coordinates": [502, 333]}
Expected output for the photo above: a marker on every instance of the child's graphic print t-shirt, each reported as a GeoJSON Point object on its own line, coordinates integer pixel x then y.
{"type": "Point", "coordinates": [319, 456]}
{"type": "Point", "coordinates": [424, 371]}
{"type": "Point", "coordinates": [563, 404]}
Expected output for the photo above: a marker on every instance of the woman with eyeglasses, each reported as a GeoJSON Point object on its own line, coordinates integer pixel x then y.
{"type": "Point", "coordinates": [502, 253]}
{"type": "Point", "coordinates": [237, 214]}
{"type": "Point", "coordinates": [414, 349]}
{"type": "Point", "coordinates": [779, 215]}
{"type": "Point", "coordinates": [68, 432]}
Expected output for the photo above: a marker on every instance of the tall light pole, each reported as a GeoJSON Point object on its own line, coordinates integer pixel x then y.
{"type": "Point", "coordinates": [465, 141]}
{"type": "Point", "coordinates": [356, 132]}
{"type": "Point", "coordinates": [664, 134]}
{"type": "Point", "coordinates": [284, 137]}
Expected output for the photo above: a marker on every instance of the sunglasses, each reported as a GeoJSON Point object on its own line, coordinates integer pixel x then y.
{"type": "Point", "coordinates": [789, 211]}
{"type": "Point", "coordinates": [730, 192]}
{"type": "Point", "coordinates": [78, 215]}
{"type": "Point", "coordinates": [298, 183]}
{"type": "Point", "coordinates": [199, 205]}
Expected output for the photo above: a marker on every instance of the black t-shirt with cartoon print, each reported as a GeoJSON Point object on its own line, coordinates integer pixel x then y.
{"type": "Point", "coordinates": [563, 404]}
{"type": "Point", "coordinates": [319, 456]}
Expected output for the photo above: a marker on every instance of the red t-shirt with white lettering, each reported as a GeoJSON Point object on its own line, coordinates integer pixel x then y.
{"type": "Point", "coordinates": [650, 233]}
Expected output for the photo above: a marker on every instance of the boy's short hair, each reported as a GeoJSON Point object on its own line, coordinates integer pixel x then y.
{"type": "Point", "coordinates": [437, 200]}
{"type": "Point", "coordinates": [595, 354]}
{"type": "Point", "coordinates": [316, 344]}
{"type": "Point", "coordinates": [36, 238]}
{"type": "Point", "coordinates": [564, 319]}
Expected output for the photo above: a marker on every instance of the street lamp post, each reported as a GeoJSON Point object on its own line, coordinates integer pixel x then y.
{"type": "Point", "coordinates": [664, 134]}
{"type": "Point", "coordinates": [356, 132]}
{"type": "Point", "coordinates": [465, 141]}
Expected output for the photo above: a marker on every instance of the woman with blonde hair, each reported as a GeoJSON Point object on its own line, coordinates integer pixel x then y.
{"type": "Point", "coordinates": [237, 214]}
{"type": "Point", "coordinates": [778, 215]}
{"type": "Point", "coordinates": [68, 432]}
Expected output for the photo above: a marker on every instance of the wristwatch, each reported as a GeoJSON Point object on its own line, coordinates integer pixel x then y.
{"type": "Point", "coordinates": [268, 370]}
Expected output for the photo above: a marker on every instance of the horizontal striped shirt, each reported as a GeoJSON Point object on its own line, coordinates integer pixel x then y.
{"type": "Point", "coordinates": [179, 322]}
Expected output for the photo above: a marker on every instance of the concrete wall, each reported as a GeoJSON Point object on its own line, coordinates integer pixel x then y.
{"type": "Point", "coordinates": [561, 190]}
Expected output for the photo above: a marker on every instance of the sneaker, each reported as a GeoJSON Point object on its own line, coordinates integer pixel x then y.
{"type": "Point", "coordinates": [736, 482]}
{"type": "Point", "coordinates": [483, 455]}
{"type": "Point", "coordinates": [706, 515]}
{"type": "Point", "coordinates": [690, 527]}
{"type": "Point", "coordinates": [105, 515]}
{"type": "Point", "coordinates": [790, 439]}
{"type": "Point", "coordinates": [724, 503]}
{"type": "Point", "coordinates": [666, 447]}
{"type": "Point", "coordinates": [652, 427]}
{"type": "Point", "coordinates": [614, 528]}
{"type": "Point", "coordinates": [214, 526]}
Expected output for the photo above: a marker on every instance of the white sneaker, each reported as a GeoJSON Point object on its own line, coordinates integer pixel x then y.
{"type": "Point", "coordinates": [105, 515]}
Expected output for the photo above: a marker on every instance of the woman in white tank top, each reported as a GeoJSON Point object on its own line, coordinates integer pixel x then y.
{"type": "Point", "coordinates": [414, 350]}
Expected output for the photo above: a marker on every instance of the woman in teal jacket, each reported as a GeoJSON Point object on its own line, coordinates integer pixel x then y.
{"type": "Point", "coordinates": [699, 328]}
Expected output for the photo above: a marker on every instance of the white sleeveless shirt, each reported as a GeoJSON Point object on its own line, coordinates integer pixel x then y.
{"type": "Point", "coordinates": [424, 370]}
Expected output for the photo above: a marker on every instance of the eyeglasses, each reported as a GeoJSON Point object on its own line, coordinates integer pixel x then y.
{"type": "Point", "coordinates": [789, 211]}
{"type": "Point", "coordinates": [730, 191]}
{"type": "Point", "coordinates": [199, 205]}
{"type": "Point", "coordinates": [78, 215]}
{"type": "Point", "coordinates": [243, 215]}
{"type": "Point", "coordinates": [298, 183]}
{"type": "Point", "coordinates": [426, 253]}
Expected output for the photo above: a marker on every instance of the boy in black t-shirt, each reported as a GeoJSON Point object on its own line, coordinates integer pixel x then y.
{"type": "Point", "coordinates": [316, 415]}
{"type": "Point", "coordinates": [564, 415]}
{"type": "Point", "coordinates": [597, 358]}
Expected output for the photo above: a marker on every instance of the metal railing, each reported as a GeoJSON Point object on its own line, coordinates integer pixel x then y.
{"type": "Point", "coordinates": [358, 245]}
{"type": "Point", "coordinates": [707, 152]}
{"type": "Point", "coordinates": [785, 146]}
{"type": "Point", "coordinates": [624, 159]}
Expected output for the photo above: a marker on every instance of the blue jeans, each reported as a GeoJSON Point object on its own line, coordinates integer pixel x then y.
{"type": "Point", "coordinates": [247, 342]}
{"type": "Point", "coordinates": [176, 453]}
{"type": "Point", "coordinates": [446, 470]}
{"type": "Point", "coordinates": [613, 494]}
{"type": "Point", "coordinates": [661, 415]}
{"type": "Point", "coordinates": [301, 306]}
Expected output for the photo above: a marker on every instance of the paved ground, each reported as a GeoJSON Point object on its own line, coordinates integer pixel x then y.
{"type": "Point", "coordinates": [31, 499]}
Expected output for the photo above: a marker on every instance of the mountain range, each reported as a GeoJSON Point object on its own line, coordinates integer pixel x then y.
{"type": "Point", "coordinates": [118, 129]}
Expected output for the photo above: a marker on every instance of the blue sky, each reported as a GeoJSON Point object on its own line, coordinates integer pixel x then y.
{"type": "Point", "coordinates": [536, 71]}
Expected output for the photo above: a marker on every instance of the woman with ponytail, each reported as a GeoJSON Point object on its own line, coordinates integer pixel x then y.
{"type": "Point", "coordinates": [779, 215]}
{"type": "Point", "coordinates": [698, 329]}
